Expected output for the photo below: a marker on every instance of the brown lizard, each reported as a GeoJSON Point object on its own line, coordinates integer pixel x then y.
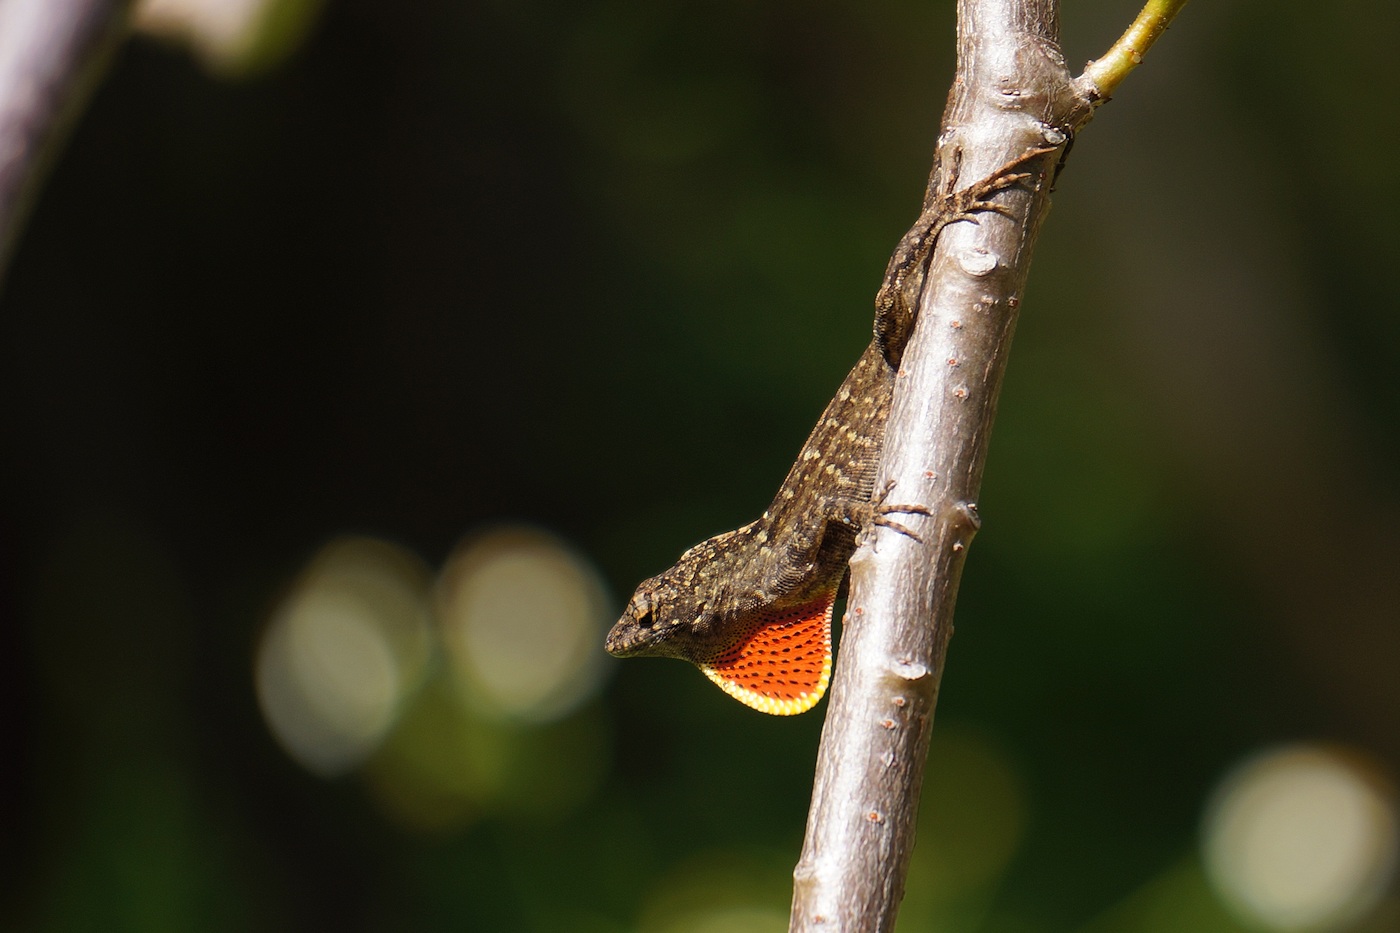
{"type": "Point", "coordinates": [752, 607]}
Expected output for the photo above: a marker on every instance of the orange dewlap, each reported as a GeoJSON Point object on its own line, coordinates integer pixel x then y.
{"type": "Point", "coordinates": [783, 665]}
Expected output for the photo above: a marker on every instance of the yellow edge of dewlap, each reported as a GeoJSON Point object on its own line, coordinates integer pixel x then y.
{"type": "Point", "coordinates": [770, 705]}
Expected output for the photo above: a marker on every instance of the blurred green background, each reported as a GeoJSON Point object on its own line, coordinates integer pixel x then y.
{"type": "Point", "coordinates": [465, 317]}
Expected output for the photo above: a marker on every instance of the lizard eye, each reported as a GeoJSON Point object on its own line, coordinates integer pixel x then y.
{"type": "Point", "coordinates": [646, 619]}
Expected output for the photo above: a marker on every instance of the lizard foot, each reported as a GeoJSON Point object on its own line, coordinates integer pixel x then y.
{"type": "Point", "coordinates": [966, 203]}
{"type": "Point", "coordinates": [881, 512]}
{"type": "Point", "coordinates": [865, 513]}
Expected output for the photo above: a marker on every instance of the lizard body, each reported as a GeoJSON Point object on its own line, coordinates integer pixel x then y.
{"type": "Point", "coordinates": [752, 607]}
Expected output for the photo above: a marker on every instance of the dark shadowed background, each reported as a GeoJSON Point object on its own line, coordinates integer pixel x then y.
{"type": "Point", "coordinates": [344, 402]}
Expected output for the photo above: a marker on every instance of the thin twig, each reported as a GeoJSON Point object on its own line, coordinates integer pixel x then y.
{"type": "Point", "coordinates": [1102, 76]}
{"type": "Point", "coordinates": [49, 51]}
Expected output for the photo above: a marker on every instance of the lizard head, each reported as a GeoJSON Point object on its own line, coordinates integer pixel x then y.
{"type": "Point", "coordinates": [673, 614]}
{"type": "Point", "coordinates": [678, 613]}
{"type": "Point", "coordinates": [773, 658]}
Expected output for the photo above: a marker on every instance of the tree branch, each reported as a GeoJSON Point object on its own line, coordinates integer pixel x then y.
{"type": "Point", "coordinates": [49, 52]}
{"type": "Point", "coordinates": [1012, 93]}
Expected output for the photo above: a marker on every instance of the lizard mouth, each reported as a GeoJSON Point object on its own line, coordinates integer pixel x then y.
{"type": "Point", "coordinates": [624, 640]}
{"type": "Point", "coordinates": [637, 630]}
{"type": "Point", "coordinates": [635, 636]}
{"type": "Point", "coordinates": [783, 665]}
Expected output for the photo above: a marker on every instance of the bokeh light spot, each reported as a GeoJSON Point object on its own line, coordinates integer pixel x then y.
{"type": "Point", "coordinates": [1301, 838]}
{"type": "Point", "coordinates": [443, 767]}
{"type": "Point", "coordinates": [230, 37]}
{"type": "Point", "coordinates": [342, 650]}
{"type": "Point", "coordinates": [523, 617]}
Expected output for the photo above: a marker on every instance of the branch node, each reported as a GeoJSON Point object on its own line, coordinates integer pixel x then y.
{"type": "Point", "coordinates": [910, 670]}
{"type": "Point", "coordinates": [978, 261]}
{"type": "Point", "coordinates": [968, 517]}
{"type": "Point", "coordinates": [1053, 135]}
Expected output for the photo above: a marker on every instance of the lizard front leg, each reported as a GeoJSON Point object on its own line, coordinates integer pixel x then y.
{"type": "Point", "coordinates": [862, 515]}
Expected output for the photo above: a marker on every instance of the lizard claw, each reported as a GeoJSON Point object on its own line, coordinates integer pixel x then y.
{"type": "Point", "coordinates": [974, 207]}
{"type": "Point", "coordinates": [967, 203]}
{"type": "Point", "coordinates": [882, 512]}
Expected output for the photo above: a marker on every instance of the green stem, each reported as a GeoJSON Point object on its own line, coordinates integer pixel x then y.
{"type": "Point", "coordinates": [1104, 75]}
